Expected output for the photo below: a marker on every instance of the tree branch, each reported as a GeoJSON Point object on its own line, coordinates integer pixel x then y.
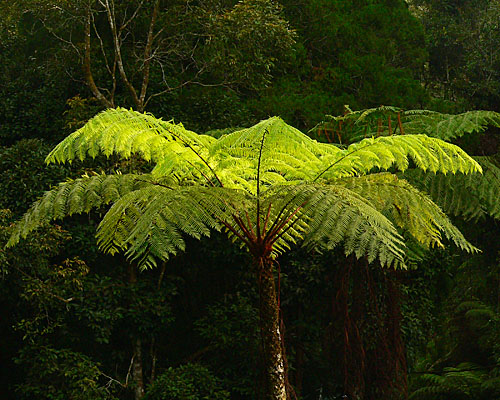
{"type": "Point", "coordinates": [86, 66]}
{"type": "Point", "coordinates": [117, 45]}
{"type": "Point", "coordinates": [147, 55]}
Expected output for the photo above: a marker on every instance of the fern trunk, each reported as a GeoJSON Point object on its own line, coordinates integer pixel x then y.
{"type": "Point", "coordinates": [273, 357]}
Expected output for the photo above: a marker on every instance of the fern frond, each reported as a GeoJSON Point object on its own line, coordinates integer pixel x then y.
{"type": "Point", "coordinates": [287, 154]}
{"type": "Point", "coordinates": [335, 215]}
{"type": "Point", "coordinates": [432, 387]}
{"type": "Point", "coordinates": [152, 220]}
{"type": "Point", "coordinates": [354, 126]}
{"type": "Point", "coordinates": [386, 121]}
{"type": "Point", "coordinates": [383, 153]}
{"type": "Point", "coordinates": [449, 126]}
{"type": "Point", "coordinates": [174, 149]}
{"type": "Point", "coordinates": [468, 196]}
{"type": "Point", "coordinates": [463, 381]}
{"type": "Point", "coordinates": [76, 197]}
{"type": "Point", "coordinates": [408, 208]}
{"type": "Point", "coordinates": [124, 132]}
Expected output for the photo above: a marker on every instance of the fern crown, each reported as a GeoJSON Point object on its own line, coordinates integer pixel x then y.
{"type": "Point", "coordinates": [268, 186]}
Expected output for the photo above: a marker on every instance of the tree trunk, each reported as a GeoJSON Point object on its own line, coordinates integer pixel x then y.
{"type": "Point", "coordinates": [137, 375]}
{"type": "Point", "coordinates": [273, 358]}
{"type": "Point", "coordinates": [137, 370]}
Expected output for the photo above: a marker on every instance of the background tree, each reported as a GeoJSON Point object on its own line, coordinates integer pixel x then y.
{"type": "Point", "coordinates": [362, 53]}
{"type": "Point", "coordinates": [122, 46]}
{"type": "Point", "coordinates": [463, 56]}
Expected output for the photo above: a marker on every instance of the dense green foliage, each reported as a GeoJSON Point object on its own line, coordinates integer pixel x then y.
{"type": "Point", "coordinates": [72, 316]}
{"type": "Point", "coordinates": [462, 37]}
{"type": "Point", "coordinates": [188, 382]}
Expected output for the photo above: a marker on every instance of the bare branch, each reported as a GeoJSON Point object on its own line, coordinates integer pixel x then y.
{"type": "Point", "coordinates": [117, 45]}
{"type": "Point", "coordinates": [147, 54]}
{"type": "Point", "coordinates": [101, 45]}
{"type": "Point", "coordinates": [87, 69]}
{"type": "Point", "coordinates": [132, 17]}
{"type": "Point", "coordinates": [58, 37]}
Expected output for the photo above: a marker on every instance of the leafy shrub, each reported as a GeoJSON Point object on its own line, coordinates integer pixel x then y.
{"type": "Point", "coordinates": [187, 382]}
{"type": "Point", "coordinates": [24, 175]}
{"type": "Point", "coordinates": [60, 374]}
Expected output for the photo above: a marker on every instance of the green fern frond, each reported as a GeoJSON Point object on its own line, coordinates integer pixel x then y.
{"type": "Point", "coordinates": [125, 132]}
{"type": "Point", "coordinates": [281, 153]}
{"type": "Point", "coordinates": [466, 306]}
{"type": "Point", "coordinates": [354, 126]}
{"type": "Point", "coordinates": [386, 121]}
{"type": "Point", "coordinates": [468, 196]}
{"type": "Point", "coordinates": [153, 219]}
{"type": "Point", "coordinates": [76, 197]}
{"type": "Point", "coordinates": [449, 126]}
{"type": "Point", "coordinates": [174, 149]}
{"type": "Point", "coordinates": [408, 208]}
{"type": "Point", "coordinates": [428, 154]}
{"type": "Point", "coordinates": [430, 385]}
{"type": "Point", "coordinates": [465, 381]}
{"type": "Point", "coordinates": [337, 215]}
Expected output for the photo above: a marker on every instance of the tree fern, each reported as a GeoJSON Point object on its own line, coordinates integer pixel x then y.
{"type": "Point", "coordinates": [385, 121]}
{"type": "Point", "coordinates": [268, 186]}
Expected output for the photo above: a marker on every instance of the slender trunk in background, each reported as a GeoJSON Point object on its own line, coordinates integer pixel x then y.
{"type": "Point", "coordinates": [394, 317]}
{"type": "Point", "coordinates": [273, 358]}
{"type": "Point", "coordinates": [87, 70]}
{"type": "Point", "coordinates": [137, 369]}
